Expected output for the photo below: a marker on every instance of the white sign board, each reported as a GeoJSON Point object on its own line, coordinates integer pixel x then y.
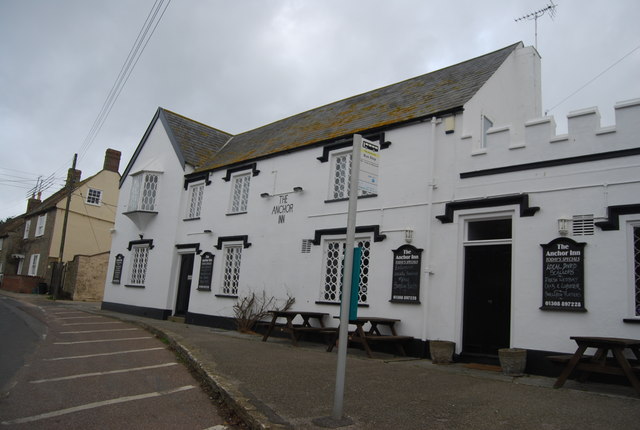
{"type": "Point", "coordinates": [369, 161]}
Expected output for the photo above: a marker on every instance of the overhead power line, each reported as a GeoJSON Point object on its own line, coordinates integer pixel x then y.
{"type": "Point", "coordinates": [146, 32]}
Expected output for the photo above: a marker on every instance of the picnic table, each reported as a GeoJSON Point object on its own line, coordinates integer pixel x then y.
{"type": "Point", "coordinates": [296, 330]}
{"type": "Point", "coordinates": [373, 334]}
{"type": "Point", "coordinates": [599, 362]}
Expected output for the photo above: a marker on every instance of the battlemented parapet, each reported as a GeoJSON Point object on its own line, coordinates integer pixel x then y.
{"type": "Point", "coordinates": [585, 138]}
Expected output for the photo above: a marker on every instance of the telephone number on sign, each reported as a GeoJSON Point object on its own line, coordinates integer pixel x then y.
{"type": "Point", "coordinates": [563, 304]}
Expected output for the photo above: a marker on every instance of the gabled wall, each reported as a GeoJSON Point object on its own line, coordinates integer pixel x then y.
{"type": "Point", "coordinates": [156, 154]}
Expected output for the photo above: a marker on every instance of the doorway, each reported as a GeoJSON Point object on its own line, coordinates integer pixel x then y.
{"type": "Point", "coordinates": [184, 284]}
{"type": "Point", "coordinates": [487, 288]}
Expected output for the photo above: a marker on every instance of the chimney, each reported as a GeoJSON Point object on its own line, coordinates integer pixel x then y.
{"type": "Point", "coordinates": [111, 160]}
{"type": "Point", "coordinates": [73, 174]}
{"type": "Point", "coordinates": [33, 202]}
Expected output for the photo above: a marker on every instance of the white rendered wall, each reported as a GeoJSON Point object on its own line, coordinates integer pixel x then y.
{"type": "Point", "coordinates": [156, 155]}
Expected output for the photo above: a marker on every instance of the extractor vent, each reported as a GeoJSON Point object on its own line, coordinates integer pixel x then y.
{"type": "Point", "coordinates": [306, 246]}
{"type": "Point", "coordinates": [583, 225]}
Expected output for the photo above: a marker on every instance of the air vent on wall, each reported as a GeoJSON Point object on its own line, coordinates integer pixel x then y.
{"type": "Point", "coordinates": [306, 246]}
{"type": "Point", "coordinates": [583, 225]}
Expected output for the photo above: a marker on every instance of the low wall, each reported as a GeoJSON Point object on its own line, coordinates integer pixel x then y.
{"type": "Point", "coordinates": [21, 284]}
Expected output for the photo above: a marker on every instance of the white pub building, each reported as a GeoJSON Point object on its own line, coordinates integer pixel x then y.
{"type": "Point", "coordinates": [486, 228]}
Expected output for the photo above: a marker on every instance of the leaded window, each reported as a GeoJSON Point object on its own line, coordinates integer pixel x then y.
{"type": "Point", "coordinates": [240, 193]}
{"type": "Point", "coordinates": [636, 261]}
{"type": "Point", "coordinates": [333, 269]}
{"type": "Point", "coordinates": [196, 192]}
{"type": "Point", "coordinates": [144, 189]}
{"type": "Point", "coordinates": [139, 261]}
{"type": "Point", "coordinates": [341, 176]}
{"type": "Point", "coordinates": [231, 275]}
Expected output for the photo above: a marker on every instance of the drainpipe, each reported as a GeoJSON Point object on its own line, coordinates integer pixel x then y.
{"type": "Point", "coordinates": [431, 185]}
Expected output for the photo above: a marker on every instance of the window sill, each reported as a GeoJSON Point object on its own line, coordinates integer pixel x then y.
{"type": "Point", "coordinates": [346, 199]}
{"type": "Point", "coordinates": [191, 219]}
{"type": "Point", "coordinates": [236, 213]}
{"type": "Point", "coordinates": [133, 286]}
{"type": "Point", "coordinates": [631, 320]}
{"type": "Point", "coordinates": [226, 296]}
{"type": "Point", "coordinates": [320, 302]}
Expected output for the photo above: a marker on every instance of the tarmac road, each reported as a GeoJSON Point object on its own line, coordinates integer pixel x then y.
{"type": "Point", "coordinates": [20, 334]}
{"type": "Point", "coordinates": [94, 372]}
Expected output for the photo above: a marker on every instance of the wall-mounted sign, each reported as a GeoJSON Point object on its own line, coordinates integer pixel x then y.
{"type": "Point", "coordinates": [117, 269]}
{"type": "Point", "coordinates": [405, 284]}
{"type": "Point", "coordinates": [563, 275]}
{"type": "Point", "coordinates": [282, 208]}
{"type": "Point", "coordinates": [206, 270]}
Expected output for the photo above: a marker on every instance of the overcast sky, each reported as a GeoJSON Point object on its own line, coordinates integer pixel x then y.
{"type": "Point", "coordinates": [239, 64]}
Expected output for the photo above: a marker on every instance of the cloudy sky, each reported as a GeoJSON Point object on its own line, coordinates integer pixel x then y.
{"type": "Point", "coordinates": [239, 64]}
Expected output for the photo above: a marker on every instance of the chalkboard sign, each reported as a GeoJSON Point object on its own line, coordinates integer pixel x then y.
{"type": "Point", "coordinates": [407, 263]}
{"type": "Point", "coordinates": [563, 275]}
{"type": "Point", "coordinates": [206, 270]}
{"type": "Point", "coordinates": [117, 269]}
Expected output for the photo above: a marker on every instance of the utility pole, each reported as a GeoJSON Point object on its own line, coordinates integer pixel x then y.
{"type": "Point", "coordinates": [70, 183]}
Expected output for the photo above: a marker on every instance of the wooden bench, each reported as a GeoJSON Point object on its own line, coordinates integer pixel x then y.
{"type": "Point", "coordinates": [600, 362]}
{"type": "Point", "coordinates": [297, 330]}
{"type": "Point", "coordinates": [364, 337]}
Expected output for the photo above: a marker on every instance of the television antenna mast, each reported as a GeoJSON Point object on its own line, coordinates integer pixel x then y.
{"type": "Point", "coordinates": [551, 8]}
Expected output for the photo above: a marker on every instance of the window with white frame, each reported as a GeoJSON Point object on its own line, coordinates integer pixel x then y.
{"type": "Point", "coordinates": [94, 197]}
{"type": "Point", "coordinates": [194, 204]}
{"type": "Point", "coordinates": [333, 268]}
{"type": "Point", "coordinates": [27, 227]}
{"type": "Point", "coordinates": [240, 193]}
{"type": "Point", "coordinates": [232, 257]}
{"type": "Point", "coordinates": [42, 221]}
{"type": "Point", "coordinates": [144, 189]}
{"type": "Point", "coordinates": [139, 261]}
{"type": "Point", "coordinates": [33, 265]}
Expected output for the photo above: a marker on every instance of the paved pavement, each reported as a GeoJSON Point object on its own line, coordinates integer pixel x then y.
{"type": "Point", "coordinates": [274, 385]}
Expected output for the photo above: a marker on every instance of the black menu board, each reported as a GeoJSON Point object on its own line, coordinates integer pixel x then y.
{"type": "Point", "coordinates": [563, 275]}
{"type": "Point", "coordinates": [407, 263]}
{"type": "Point", "coordinates": [117, 269]}
{"type": "Point", "coordinates": [206, 270]}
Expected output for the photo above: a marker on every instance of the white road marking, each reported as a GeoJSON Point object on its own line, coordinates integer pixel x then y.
{"type": "Point", "coordinates": [110, 372]}
{"type": "Point", "coordinates": [101, 354]}
{"type": "Point", "coordinates": [101, 340]}
{"type": "Point", "coordinates": [80, 318]}
{"type": "Point", "coordinates": [66, 313]}
{"type": "Point", "coordinates": [94, 323]}
{"type": "Point", "coordinates": [96, 405]}
{"type": "Point", "coordinates": [99, 331]}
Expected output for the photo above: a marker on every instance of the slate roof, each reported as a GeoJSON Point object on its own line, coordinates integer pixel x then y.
{"type": "Point", "coordinates": [198, 142]}
{"type": "Point", "coordinates": [444, 90]}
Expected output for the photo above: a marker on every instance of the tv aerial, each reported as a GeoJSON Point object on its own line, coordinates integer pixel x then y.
{"type": "Point", "coordinates": [551, 8]}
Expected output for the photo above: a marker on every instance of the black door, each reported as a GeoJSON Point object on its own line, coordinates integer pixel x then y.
{"type": "Point", "coordinates": [184, 284]}
{"type": "Point", "coordinates": [487, 299]}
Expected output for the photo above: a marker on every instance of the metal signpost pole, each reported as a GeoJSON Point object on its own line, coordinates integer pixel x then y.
{"type": "Point", "coordinates": [346, 284]}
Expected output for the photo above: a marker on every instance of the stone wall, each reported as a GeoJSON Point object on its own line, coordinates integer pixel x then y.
{"type": "Point", "coordinates": [85, 277]}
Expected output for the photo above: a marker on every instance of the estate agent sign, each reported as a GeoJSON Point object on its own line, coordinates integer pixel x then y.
{"type": "Point", "coordinates": [405, 287]}
{"type": "Point", "coordinates": [563, 275]}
